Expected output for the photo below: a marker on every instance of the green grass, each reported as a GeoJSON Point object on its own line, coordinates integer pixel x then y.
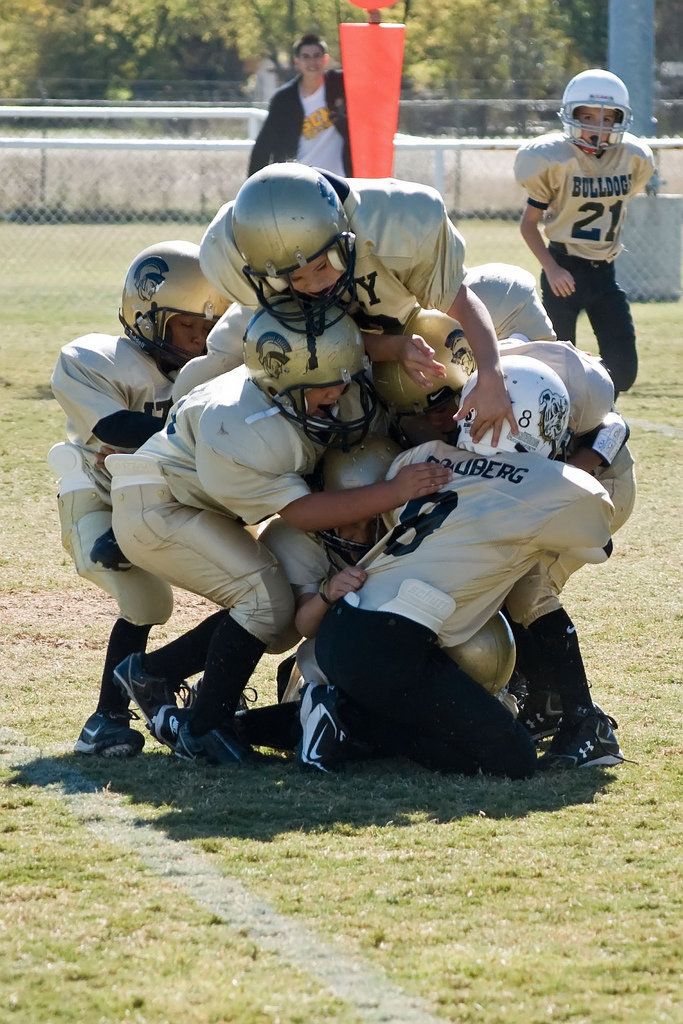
{"type": "Point", "coordinates": [556, 899]}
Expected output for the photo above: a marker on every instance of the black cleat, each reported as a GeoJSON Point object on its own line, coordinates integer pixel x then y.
{"type": "Point", "coordinates": [541, 713]}
{"type": "Point", "coordinates": [109, 734]}
{"type": "Point", "coordinates": [149, 692]}
{"type": "Point", "coordinates": [583, 741]}
{"type": "Point", "coordinates": [218, 746]}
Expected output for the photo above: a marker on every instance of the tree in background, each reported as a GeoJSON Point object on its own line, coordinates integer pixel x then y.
{"type": "Point", "coordinates": [109, 49]}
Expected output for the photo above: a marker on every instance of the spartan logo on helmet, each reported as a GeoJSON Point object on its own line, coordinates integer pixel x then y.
{"type": "Point", "coordinates": [272, 352]}
{"type": "Point", "coordinates": [461, 354]}
{"type": "Point", "coordinates": [554, 414]}
{"type": "Point", "coordinates": [149, 274]}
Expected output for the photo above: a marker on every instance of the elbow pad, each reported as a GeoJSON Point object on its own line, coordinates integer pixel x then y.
{"type": "Point", "coordinates": [611, 437]}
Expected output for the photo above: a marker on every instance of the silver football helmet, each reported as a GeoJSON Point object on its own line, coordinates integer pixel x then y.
{"type": "Point", "coordinates": [596, 88]}
{"type": "Point", "coordinates": [163, 281]}
{"type": "Point", "coordinates": [365, 463]}
{"type": "Point", "coordinates": [284, 216]}
{"type": "Point", "coordinates": [540, 403]}
{"type": "Point", "coordinates": [285, 363]}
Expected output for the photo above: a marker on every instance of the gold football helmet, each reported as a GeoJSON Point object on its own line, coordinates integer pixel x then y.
{"type": "Point", "coordinates": [365, 463]}
{"type": "Point", "coordinates": [284, 216]}
{"type": "Point", "coordinates": [446, 337]}
{"type": "Point", "coordinates": [163, 281]}
{"type": "Point", "coordinates": [284, 363]}
{"type": "Point", "coordinates": [488, 656]}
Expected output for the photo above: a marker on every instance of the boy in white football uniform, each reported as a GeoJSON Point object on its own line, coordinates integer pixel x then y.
{"type": "Point", "coordinates": [116, 393]}
{"type": "Point", "coordinates": [444, 569]}
{"type": "Point", "coordinates": [374, 247]}
{"type": "Point", "coordinates": [579, 183]}
{"type": "Point", "coordinates": [234, 452]}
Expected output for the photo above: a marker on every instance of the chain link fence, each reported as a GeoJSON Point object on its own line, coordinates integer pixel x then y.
{"type": "Point", "coordinates": [82, 190]}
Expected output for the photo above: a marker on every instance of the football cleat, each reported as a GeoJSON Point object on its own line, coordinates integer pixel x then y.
{"type": "Point", "coordinates": [147, 691]}
{"type": "Point", "coordinates": [167, 723]}
{"type": "Point", "coordinates": [218, 746]}
{"type": "Point", "coordinates": [109, 734]}
{"type": "Point", "coordinates": [541, 713]}
{"type": "Point", "coordinates": [324, 742]}
{"type": "Point", "coordinates": [583, 741]}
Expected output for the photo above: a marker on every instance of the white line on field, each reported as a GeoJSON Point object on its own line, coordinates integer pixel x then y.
{"type": "Point", "coordinates": [375, 998]}
{"type": "Point", "coordinates": [658, 428]}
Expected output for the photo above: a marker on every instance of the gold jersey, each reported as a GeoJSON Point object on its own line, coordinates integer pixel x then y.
{"type": "Point", "coordinates": [484, 530]}
{"type": "Point", "coordinates": [227, 447]}
{"type": "Point", "coordinates": [97, 376]}
{"type": "Point", "coordinates": [584, 195]}
{"type": "Point", "coordinates": [407, 251]}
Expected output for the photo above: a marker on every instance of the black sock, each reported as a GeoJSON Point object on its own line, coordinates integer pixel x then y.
{"type": "Point", "coordinates": [233, 655]}
{"type": "Point", "coordinates": [124, 639]}
{"type": "Point", "coordinates": [186, 655]}
{"type": "Point", "coordinates": [530, 659]}
{"type": "Point", "coordinates": [555, 635]}
{"type": "Point", "coordinates": [275, 726]}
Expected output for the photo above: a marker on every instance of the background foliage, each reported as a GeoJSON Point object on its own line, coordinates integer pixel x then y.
{"type": "Point", "coordinates": [116, 49]}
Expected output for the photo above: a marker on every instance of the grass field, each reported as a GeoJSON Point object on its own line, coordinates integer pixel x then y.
{"type": "Point", "coordinates": [152, 891]}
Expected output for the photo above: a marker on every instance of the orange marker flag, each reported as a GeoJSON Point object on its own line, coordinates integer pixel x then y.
{"type": "Point", "coordinates": [372, 59]}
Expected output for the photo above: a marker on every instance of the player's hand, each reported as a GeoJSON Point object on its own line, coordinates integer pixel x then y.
{"type": "Point", "coordinates": [560, 280]}
{"type": "Point", "coordinates": [417, 359]}
{"type": "Point", "coordinates": [419, 479]}
{"type": "Point", "coordinates": [101, 456]}
{"type": "Point", "coordinates": [347, 581]}
{"type": "Point", "coordinates": [492, 407]}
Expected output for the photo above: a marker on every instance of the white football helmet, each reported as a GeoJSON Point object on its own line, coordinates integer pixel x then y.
{"type": "Point", "coordinates": [163, 281]}
{"type": "Point", "coordinates": [540, 403]}
{"type": "Point", "coordinates": [596, 88]}
{"type": "Point", "coordinates": [284, 216]}
{"type": "Point", "coordinates": [365, 463]}
{"type": "Point", "coordinates": [284, 363]}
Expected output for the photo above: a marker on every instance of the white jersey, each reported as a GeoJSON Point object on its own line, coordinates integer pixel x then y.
{"type": "Point", "coordinates": [320, 144]}
{"type": "Point", "coordinates": [584, 195]}
{"type": "Point", "coordinates": [99, 375]}
{"type": "Point", "coordinates": [487, 528]}
{"type": "Point", "coordinates": [509, 293]}
{"type": "Point", "coordinates": [224, 351]}
{"type": "Point", "coordinates": [407, 251]}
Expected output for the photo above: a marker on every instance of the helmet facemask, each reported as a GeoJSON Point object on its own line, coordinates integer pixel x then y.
{"type": "Point", "coordinates": [286, 364]}
{"type": "Point", "coordinates": [332, 431]}
{"type": "Point", "coordinates": [310, 311]}
{"type": "Point", "coordinates": [341, 553]}
{"type": "Point", "coordinates": [149, 332]}
{"type": "Point", "coordinates": [596, 144]}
